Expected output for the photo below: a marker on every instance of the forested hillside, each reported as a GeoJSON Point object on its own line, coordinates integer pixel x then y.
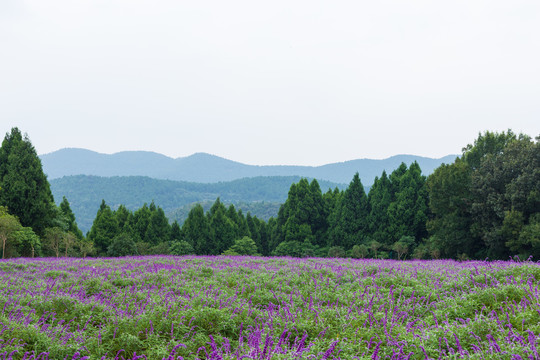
{"type": "Point", "coordinates": [261, 195]}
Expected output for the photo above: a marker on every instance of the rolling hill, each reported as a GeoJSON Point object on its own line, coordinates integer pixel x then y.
{"type": "Point", "coordinates": [205, 168]}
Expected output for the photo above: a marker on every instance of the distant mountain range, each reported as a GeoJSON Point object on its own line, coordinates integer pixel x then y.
{"type": "Point", "coordinates": [206, 168]}
{"type": "Point", "coordinates": [133, 178]}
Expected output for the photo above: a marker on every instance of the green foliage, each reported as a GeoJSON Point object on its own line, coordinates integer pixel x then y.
{"type": "Point", "coordinates": [197, 230]}
{"type": "Point", "coordinates": [122, 245]}
{"type": "Point", "coordinates": [336, 252]}
{"type": "Point", "coordinates": [484, 203]}
{"type": "Point", "coordinates": [288, 248]}
{"type": "Point", "coordinates": [403, 246]}
{"type": "Point", "coordinates": [359, 251]}
{"type": "Point", "coordinates": [29, 243]}
{"type": "Point", "coordinates": [243, 246]}
{"type": "Point", "coordinates": [181, 247]}
{"type": "Point", "coordinates": [262, 196]}
{"type": "Point", "coordinates": [104, 229]}
{"type": "Point", "coordinates": [351, 223]}
{"type": "Point", "coordinates": [25, 190]}
{"type": "Point", "coordinates": [69, 216]}
{"type": "Point", "coordinates": [222, 230]}
{"type": "Point", "coordinates": [9, 227]}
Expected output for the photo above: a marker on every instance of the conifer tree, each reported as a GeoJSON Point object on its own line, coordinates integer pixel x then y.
{"type": "Point", "coordinates": [24, 188]}
{"type": "Point", "coordinates": [379, 200]}
{"type": "Point", "coordinates": [196, 230]}
{"type": "Point", "coordinates": [409, 208]}
{"type": "Point", "coordinates": [351, 222]}
{"type": "Point", "coordinates": [140, 222]}
{"type": "Point", "coordinates": [69, 216]}
{"type": "Point", "coordinates": [158, 229]}
{"type": "Point", "coordinates": [176, 232]}
{"type": "Point", "coordinates": [104, 229]}
{"type": "Point", "coordinates": [222, 232]}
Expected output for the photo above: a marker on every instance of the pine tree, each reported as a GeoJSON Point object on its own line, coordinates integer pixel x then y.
{"type": "Point", "coordinates": [104, 229]}
{"type": "Point", "coordinates": [158, 229]}
{"type": "Point", "coordinates": [408, 210]}
{"type": "Point", "coordinates": [222, 232]}
{"type": "Point", "coordinates": [69, 216]}
{"type": "Point", "coordinates": [351, 223]}
{"type": "Point", "coordinates": [197, 231]}
{"type": "Point", "coordinates": [176, 232]}
{"type": "Point", "coordinates": [379, 200]}
{"type": "Point", "coordinates": [140, 223]}
{"type": "Point", "coordinates": [25, 190]}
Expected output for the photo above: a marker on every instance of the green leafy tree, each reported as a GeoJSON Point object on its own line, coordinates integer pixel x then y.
{"type": "Point", "coordinates": [85, 246]}
{"type": "Point", "coordinates": [336, 252]}
{"type": "Point", "coordinates": [504, 182]}
{"type": "Point", "coordinates": [28, 241]}
{"type": "Point", "coordinates": [450, 201]}
{"type": "Point", "coordinates": [308, 249]}
{"type": "Point", "coordinates": [486, 144]}
{"type": "Point", "coordinates": [25, 190]}
{"type": "Point", "coordinates": [403, 246]}
{"type": "Point", "coordinates": [181, 247]}
{"type": "Point", "coordinates": [122, 245]}
{"type": "Point", "coordinates": [288, 248]}
{"type": "Point", "coordinates": [529, 238]}
{"type": "Point", "coordinates": [53, 240]}
{"type": "Point", "coordinates": [374, 246]}
{"type": "Point", "coordinates": [243, 246]}
{"type": "Point", "coordinates": [9, 225]}
{"type": "Point", "coordinates": [359, 251]}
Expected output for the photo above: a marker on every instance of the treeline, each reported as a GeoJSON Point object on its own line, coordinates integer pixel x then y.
{"type": "Point", "coordinates": [486, 204]}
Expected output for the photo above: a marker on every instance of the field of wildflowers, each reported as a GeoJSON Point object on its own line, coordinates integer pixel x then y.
{"type": "Point", "coordinates": [197, 307]}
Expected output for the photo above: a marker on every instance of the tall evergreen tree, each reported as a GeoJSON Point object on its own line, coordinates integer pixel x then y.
{"type": "Point", "coordinates": [222, 232]}
{"type": "Point", "coordinates": [124, 218]}
{"type": "Point", "coordinates": [104, 229]}
{"type": "Point", "coordinates": [158, 229]}
{"type": "Point", "coordinates": [69, 217]}
{"type": "Point", "coordinates": [350, 224]}
{"type": "Point", "coordinates": [176, 232]}
{"type": "Point", "coordinates": [379, 200]}
{"type": "Point", "coordinates": [140, 222]}
{"type": "Point", "coordinates": [196, 230]}
{"type": "Point", "coordinates": [24, 188]}
{"type": "Point", "coordinates": [408, 212]}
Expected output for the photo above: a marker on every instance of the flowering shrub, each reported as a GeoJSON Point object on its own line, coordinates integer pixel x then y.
{"type": "Point", "coordinates": [196, 307]}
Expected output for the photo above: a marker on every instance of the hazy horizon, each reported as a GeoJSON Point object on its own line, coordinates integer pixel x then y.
{"type": "Point", "coordinates": [234, 160]}
{"type": "Point", "coordinates": [302, 82]}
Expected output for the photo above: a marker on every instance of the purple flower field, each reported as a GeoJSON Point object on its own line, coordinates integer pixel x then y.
{"type": "Point", "coordinates": [204, 307]}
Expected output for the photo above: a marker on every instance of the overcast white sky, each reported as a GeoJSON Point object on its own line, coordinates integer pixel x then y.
{"type": "Point", "coordinates": [269, 82]}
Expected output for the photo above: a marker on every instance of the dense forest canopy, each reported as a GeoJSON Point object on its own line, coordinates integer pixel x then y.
{"type": "Point", "coordinates": [486, 204]}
